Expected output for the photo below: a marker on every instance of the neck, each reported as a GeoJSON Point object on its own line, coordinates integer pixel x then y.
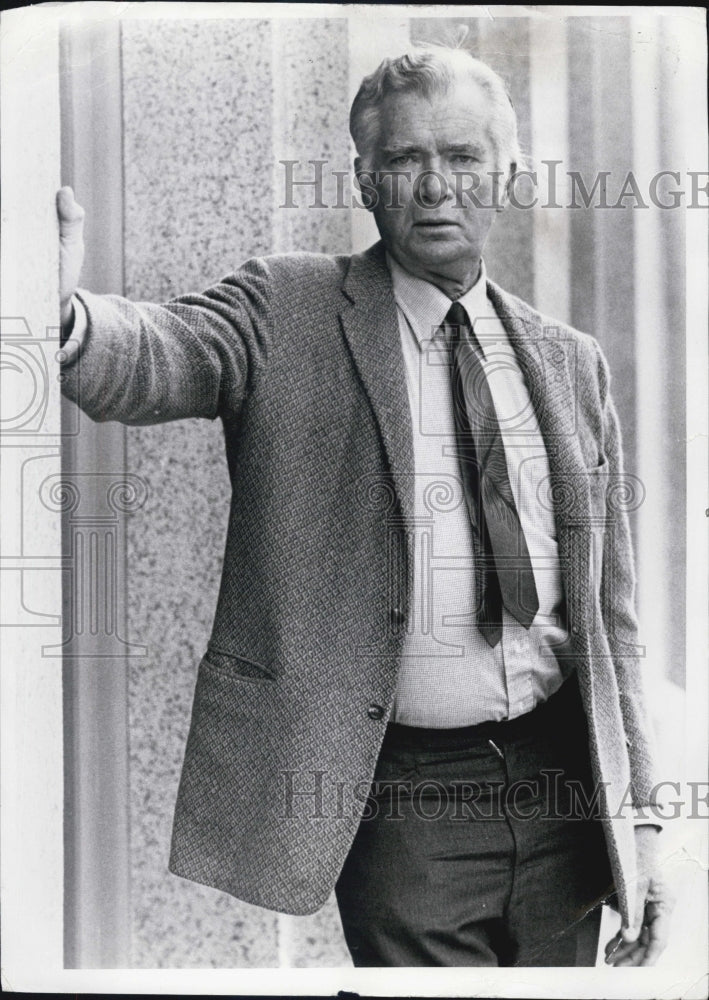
{"type": "Point", "coordinates": [453, 281]}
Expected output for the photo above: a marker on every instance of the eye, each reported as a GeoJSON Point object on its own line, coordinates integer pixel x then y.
{"type": "Point", "coordinates": [402, 160]}
{"type": "Point", "coordinates": [464, 159]}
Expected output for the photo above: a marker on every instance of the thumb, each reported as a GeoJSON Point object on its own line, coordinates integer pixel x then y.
{"type": "Point", "coordinates": [632, 932]}
{"type": "Point", "coordinates": [71, 248]}
{"type": "Point", "coordinates": [70, 214]}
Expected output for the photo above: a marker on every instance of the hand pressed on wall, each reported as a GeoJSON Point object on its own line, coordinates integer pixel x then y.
{"type": "Point", "coordinates": [71, 250]}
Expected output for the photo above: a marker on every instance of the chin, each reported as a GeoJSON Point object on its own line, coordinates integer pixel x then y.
{"type": "Point", "coordinates": [440, 251]}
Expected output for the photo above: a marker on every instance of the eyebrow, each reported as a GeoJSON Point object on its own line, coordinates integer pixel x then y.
{"type": "Point", "coordinates": [398, 150]}
{"type": "Point", "coordinates": [461, 147]}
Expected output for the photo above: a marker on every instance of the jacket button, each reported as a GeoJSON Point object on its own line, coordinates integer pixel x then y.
{"type": "Point", "coordinates": [375, 712]}
{"type": "Point", "coordinates": [397, 616]}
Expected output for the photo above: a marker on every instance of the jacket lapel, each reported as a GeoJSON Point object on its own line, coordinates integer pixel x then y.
{"type": "Point", "coordinates": [548, 363]}
{"type": "Point", "coordinates": [371, 328]}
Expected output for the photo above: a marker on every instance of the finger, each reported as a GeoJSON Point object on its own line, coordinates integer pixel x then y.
{"type": "Point", "coordinates": [633, 932]}
{"type": "Point", "coordinates": [621, 952]}
{"type": "Point", "coordinates": [659, 932]}
{"type": "Point", "coordinates": [624, 955]}
{"type": "Point", "coordinates": [613, 944]}
{"type": "Point", "coordinates": [635, 958]}
{"type": "Point", "coordinates": [70, 212]}
{"type": "Point", "coordinates": [630, 953]}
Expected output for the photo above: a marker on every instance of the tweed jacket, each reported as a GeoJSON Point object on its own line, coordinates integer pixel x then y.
{"type": "Point", "coordinates": [299, 356]}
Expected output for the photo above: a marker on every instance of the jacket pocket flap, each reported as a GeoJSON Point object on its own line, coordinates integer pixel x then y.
{"type": "Point", "coordinates": [240, 667]}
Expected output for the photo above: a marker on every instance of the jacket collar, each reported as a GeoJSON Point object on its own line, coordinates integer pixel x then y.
{"type": "Point", "coordinates": [426, 306]}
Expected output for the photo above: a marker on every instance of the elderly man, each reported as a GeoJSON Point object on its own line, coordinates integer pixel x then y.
{"type": "Point", "coordinates": [421, 686]}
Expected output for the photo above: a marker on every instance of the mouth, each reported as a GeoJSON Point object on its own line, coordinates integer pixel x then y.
{"type": "Point", "coordinates": [435, 224]}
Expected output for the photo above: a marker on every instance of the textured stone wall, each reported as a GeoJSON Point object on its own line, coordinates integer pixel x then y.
{"type": "Point", "coordinates": [197, 125]}
{"type": "Point", "coordinates": [209, 108]}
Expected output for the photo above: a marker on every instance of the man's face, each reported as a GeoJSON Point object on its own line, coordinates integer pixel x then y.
{"type": "Point", "coordinates": [426, 221]}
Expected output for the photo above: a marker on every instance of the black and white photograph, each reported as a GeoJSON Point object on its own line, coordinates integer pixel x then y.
{"type": "Point", "coordinates": [353, 545]}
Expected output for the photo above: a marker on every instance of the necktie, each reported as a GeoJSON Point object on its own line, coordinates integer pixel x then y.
{"type": "Point", "coordinates": [503, 569]}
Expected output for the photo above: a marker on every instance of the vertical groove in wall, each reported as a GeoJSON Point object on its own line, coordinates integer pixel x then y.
{"type": "Point", "coordinates": [68, 461]}
{"type": "Point", "coordinates": [504, 44]}
{"type": "Point", "coordinates": [615, 227]}
{"type": "Point", "coordinates": [582, 161]}
{"type": "Point", "coordinates": [549, 87]}
{"type": "Point", "coordinates": [93, 461]}
{"type": "Point", "coordinates": [654, 458]}
{"type": "Point", "coordinates": [673, 111]}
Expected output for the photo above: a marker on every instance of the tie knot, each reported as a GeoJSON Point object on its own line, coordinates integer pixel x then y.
{"type": "Point", "coordinates": [457, 316]}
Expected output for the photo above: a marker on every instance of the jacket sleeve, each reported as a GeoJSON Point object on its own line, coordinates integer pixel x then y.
{"type": "Point", "coordinates": [195, 356]}
{"type": "Point", "coordinates": [618, 602]}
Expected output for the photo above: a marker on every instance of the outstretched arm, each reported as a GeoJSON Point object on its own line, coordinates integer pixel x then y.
{"type": "Point", "coordinates": [140, 363]}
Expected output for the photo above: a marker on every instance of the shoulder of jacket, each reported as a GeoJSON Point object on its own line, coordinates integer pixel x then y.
{"type": "Point", "coordinates": [588, 351]}
{"type": "Point", "coordinates": [589, 356]}
{"type": "Point", "coordinates": [549, 323]}
{"type": "Point", "coordinates": [585, 340]}
{"type": "Point", "coordinates": [300, 266]}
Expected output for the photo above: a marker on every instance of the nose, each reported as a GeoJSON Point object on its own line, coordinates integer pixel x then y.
{"type": "Point", "coordinates": [434, 188]}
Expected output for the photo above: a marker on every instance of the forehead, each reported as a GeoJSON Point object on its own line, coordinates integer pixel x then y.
{"type": "Point", "coordinates": [461, 113]}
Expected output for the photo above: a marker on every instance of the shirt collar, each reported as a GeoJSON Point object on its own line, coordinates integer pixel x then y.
{"type": "Point", "coordinates": [426, 306]}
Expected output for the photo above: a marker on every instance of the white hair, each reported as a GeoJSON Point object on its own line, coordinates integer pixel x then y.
{"type": "Point", "coordinates": [427, 70]}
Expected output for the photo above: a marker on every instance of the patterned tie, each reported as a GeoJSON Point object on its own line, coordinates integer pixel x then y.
{"type": "Point", "coordinates": [503, 569]}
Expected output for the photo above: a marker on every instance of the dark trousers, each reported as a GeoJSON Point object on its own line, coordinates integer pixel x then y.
{"type": "Point", "coordinates": [479, 846]}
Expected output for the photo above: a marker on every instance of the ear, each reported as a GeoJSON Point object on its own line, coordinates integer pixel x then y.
{"type": "Point", "coordinates": [365, 184]}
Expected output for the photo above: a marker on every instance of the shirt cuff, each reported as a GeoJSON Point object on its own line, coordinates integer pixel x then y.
{"type": "Point", "coordinates": [74, 343]}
